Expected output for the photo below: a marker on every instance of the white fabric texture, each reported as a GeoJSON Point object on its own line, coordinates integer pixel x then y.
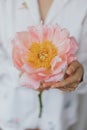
{"type": "Point", "coordinates": [19, 106]}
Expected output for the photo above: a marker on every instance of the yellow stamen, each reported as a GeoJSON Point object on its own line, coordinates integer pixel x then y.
{"type": "Point", "coordinates": [41, 54]}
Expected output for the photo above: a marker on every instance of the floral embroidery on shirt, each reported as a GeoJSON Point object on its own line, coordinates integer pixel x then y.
{"type": "Point", "coordinates": [27, 2]}
{"type": "Point", "coordinates": [24, 5]}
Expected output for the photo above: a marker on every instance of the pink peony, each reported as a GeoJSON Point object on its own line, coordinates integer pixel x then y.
{"type": "Point", "coordinates": [43, 53]}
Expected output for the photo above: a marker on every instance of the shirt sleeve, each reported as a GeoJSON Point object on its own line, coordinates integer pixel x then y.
{"type": "Point", "coordinates": [82, 56]}
{"type": "Point", "coordinates": [8, 73]}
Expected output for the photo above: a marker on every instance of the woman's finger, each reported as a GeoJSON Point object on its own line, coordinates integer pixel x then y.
{"type": "Point", "coordinates": [69, 88]}
{"type": "Point", "coordinates": [73, 67]}
{"type": "Point", "coordinates": [75, 78]}
{"type": "Point", "coordinates": [48, 84]}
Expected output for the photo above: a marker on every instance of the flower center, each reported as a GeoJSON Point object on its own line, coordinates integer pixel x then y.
{"type": "Point", "coordinates": [41, 54]}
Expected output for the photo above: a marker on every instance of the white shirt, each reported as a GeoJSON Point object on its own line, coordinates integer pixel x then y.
{"type": "Point", "coordinates": [19, 106]}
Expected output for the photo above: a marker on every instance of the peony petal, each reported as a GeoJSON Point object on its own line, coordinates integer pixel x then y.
{"type": "Point", "coordinates": [56, 29]}
{"type": "Point", "coordinates": [19, 46]}
{"type": "Point", "coordinates": [71, 58]}
{"type": "Point", "coordinates": [58, 64]}
{"type": "Point", "coordinates": [56, 35]}
{"type": "Point", "coordinates": [61, 40]}
{"type": "Point", "coordinates": [27, 81]}
{"type": "Point", "coordinates": [47, 33]}
{"type": "Point", "coordinates": [60, 67]}
{"type": "Point", "coordinates": [23, 39]}
{"type": "Point", "coordinates": [64, 34]}
{"type": "Point", "coordinates": [56, 78]}
{"type": "Point", "coordinates": [35, 34]}
{"type": "Point", "coordinates": [39, 76]}
{"type": "Point", "coordinates": [21, 51]}
{"type": "Point", "coordinates": [63, 47]}
{"type": "Point", "coordinates": [73, 45]}
{"type": "Point", "coordinates": [30, 69]}
{"type": "Point", "coordinates": [54, 61]}
{"type": "Point", "coordinates": [60, 35]}
{"type": "Point", "coordinates": [73, 48]}
{"type": "Point", "coordinates": [17, 58]}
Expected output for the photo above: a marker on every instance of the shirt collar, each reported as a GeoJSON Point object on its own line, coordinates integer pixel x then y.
{"type": "Point", "coordinates": [55, 8]}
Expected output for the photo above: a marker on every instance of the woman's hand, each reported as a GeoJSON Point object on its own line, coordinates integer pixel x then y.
{"type": "Point", "coordinates": [74, 74]}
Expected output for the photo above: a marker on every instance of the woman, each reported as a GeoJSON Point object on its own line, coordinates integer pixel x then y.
{"type": "Point", "coordinates": [21, 103]}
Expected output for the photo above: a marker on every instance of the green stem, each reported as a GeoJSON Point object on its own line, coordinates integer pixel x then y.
{"type": "Point", "coordinates": [40, 101]}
